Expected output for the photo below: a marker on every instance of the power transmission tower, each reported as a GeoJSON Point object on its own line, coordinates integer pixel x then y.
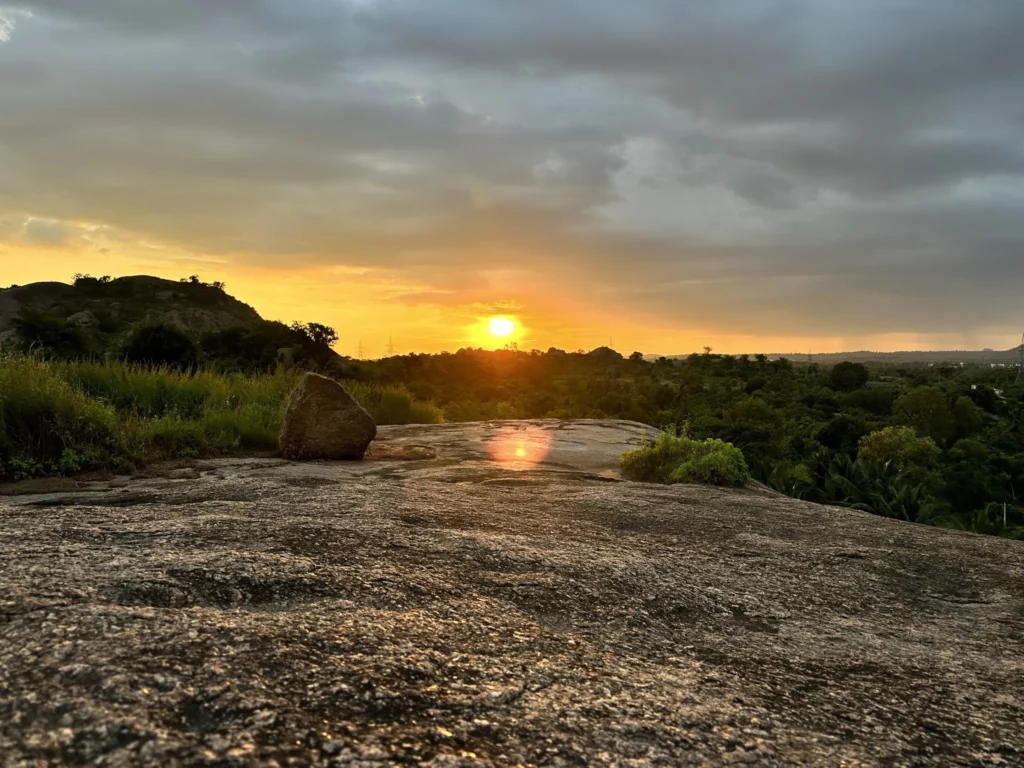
{"type": "Point", "coordinates": [391, 347]}
{"type": "Point", "coordinates": [1020, 370]}
{"type": "Point", "coordinates": [359, 351]}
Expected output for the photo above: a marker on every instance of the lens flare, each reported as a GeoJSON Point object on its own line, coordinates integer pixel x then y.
{"type": "Point", "coordinates": [519, 448]}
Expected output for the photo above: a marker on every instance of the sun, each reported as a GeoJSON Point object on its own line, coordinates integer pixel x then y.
{"type": "Point", "coordinates": [502, 326]}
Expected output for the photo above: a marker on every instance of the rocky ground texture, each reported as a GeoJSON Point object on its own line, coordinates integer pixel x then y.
{"type": "Point", "coordinates": [493, 594]}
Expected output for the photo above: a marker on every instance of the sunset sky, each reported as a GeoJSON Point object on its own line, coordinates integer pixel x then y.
{"type": "Point", "coordinates": [754, 175]}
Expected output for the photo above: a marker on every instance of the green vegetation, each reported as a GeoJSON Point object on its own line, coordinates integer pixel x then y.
{"type": "Point", "coordinates": [63, 417]}
{"type": "Point", "coordinates": [899, 447]}
{"type": "Point", "coordinates": [678, 459]}
{"type": "Point", "coordinates": [142, 368]}
{"type": "Point", "coordinates": [161, 345]}
{"type": "Point", "coordinates": [935, 445]}
{"type": "Point", "coordinates": [150, 321]}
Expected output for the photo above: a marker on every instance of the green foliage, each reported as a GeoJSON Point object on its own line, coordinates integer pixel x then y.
{"type": "Point", "coordinates": [679, 459]}
{"type": "Point", "coordinates": [927, 410]}
{"type": "Point", "coordinates": [248, 350]}
{"type": "Point", "coordinates": [815, 434]}
{"type": "Point", "coordinates": [991, 519]}
{"type": "Point", "coordinates": [968, 419]}
{"type": "Point", "coordinates": [161, 345]}
{"type": "Point", "coordinates": [848, 377]}
{"type": "Point", "coordinates": [899, 447]}
{"type": "Point", "coordinates": [798, 428]}
{"type": "Point", "coordinates": [50, 333]}
{"type": "Point", "coordinates": [60, 418]}
{"type": "Point", "coordinates": [880, 489]}
{"type": "Point", "coordinates": [47, 426]}
{"type": "Point", "coordinates": [876, 401]}
{"type": "Point", "coordinates": [117, 313]}
{"type": "Point", "coordinates": [842, 434]}
{"type": "Point", "coordinates": [393, 404]}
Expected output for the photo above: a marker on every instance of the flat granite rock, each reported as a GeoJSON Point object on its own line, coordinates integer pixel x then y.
{"type": "Point", "coordinates": [493, 594]}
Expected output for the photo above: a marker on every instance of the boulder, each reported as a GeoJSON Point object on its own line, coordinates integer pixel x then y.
{"type": "Point", "coordinates": [323, 421]}
{"type": "Point", "coordinates": [84, 319]}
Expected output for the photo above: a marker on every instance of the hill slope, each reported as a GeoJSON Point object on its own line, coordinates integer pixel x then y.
{"type": "Point", "coordinates": [128, 302]}
{"type": "Point", "coordinates": [97, 317]}
{"type": "Point", "coordinates": [490, 594]}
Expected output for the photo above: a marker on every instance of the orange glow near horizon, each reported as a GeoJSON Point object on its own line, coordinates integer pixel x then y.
{"type": "Point", "coordinates": [370, 307]}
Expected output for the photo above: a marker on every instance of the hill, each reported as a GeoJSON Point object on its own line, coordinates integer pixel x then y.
{"type": "Point", "coordinates": [96, 317]}
{"type": "Point", "coordinates": [1009, 358]}
{"type": "Point", "coordinates": [491, 594]}
{"type": "Point", "coordinates": [127, 302]}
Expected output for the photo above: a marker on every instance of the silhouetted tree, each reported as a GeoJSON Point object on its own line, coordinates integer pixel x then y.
{"type": "Point", "coordinates": [318, 333]}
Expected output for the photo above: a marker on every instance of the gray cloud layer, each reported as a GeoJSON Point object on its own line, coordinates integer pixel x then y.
{"type": "Point", "coordinates": [805, 166]}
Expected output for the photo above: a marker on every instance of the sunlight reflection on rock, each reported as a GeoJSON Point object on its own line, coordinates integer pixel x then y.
{"type": "Point", "coordinates": [520, 449]}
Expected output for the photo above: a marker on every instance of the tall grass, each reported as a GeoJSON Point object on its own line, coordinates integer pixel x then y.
{"type": "Point", "coordinates": [393, 405]}
{"type": "Point", "coordinates": [64, 417]}
{"type": "Point", "coordinates": [47, 426]}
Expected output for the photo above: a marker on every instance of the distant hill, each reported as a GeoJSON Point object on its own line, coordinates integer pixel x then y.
{"type": "Point", "coordinates": [1010, 357]}
{"type": "Point", "coordinates": [949, 357]}
{"type": "Point", "coordinates": [129, 302]}
{"type": "Point", "coordinates": [97, 316]}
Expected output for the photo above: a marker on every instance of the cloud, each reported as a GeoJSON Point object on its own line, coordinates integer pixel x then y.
{"type": "Point", "coordinates": [796, 166]}
{"type": "Point", "coordinates": [7, 21]}
{"type": "Point", "coordinates": [46, 232]}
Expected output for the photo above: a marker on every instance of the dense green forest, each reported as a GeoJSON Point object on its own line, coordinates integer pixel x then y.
{"type": "Point", "coordinates": [940, 445]}
{"type": "Point", "coordinates": [935, 445]}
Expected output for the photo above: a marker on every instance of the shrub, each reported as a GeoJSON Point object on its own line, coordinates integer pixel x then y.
{"type": "Point", "coordinates": [161, 345]}
{"type": "Point", "coordinates": [673, 459]}
{"type": "Point", "coordinates": [50, 333]}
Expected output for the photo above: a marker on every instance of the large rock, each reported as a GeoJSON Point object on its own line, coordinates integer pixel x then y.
{"type": "Point", "coordinates": [323, 421]}
{"type": "Point", "coordinates": [84, 319]}
{"type": "Point", "coordinates": [491, 595]}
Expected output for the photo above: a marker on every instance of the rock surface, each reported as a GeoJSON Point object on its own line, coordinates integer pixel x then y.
{"type": "Point", "coordinates": [323, 421]}
{"type": "Point", "coordinates": [492, 594]}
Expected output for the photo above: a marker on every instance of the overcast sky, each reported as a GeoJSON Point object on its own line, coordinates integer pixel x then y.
{"type": "Point", "coordinates": [821, 173]}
